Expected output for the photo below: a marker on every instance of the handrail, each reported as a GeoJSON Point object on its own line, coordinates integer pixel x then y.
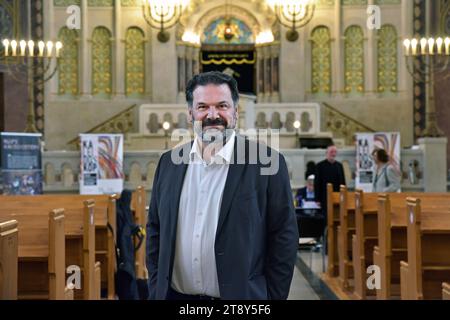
{"type": "Point", "coordinates": [110, 122]}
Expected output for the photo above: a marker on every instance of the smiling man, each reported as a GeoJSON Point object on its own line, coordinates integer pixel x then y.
{"type": "Point", "coordinates": [217, 227]}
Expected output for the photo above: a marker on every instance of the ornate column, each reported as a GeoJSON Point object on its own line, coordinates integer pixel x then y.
{"type": "Point", "coordinates": [85, 74]}
{"type": "Point", "coordinates": [275, 54]}
{"type": "Point", "coordinates": [405, 79]}
{"type": "Point", "coordinates": [51, 87]}
{"type": "Point", "coordinates": [372, 62]}
{"type": "Point", "coordinates": [119, 65]}
{"type": "Point", "coordinates": [267, 74]}
{"type": "Point", "coordinates": [181, 61]}
{"type": "Point", "coordinates": [338, 56]}
{"type": "Point", "coordinates": [259, 73]}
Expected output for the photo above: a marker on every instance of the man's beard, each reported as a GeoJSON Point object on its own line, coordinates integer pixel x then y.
{"type": "Point", "coordinates": [214, 135]}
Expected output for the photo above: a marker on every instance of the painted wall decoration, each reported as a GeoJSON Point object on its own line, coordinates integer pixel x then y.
{"type": "Point", "coordinates": [215, 32]}
{"type": "Point", "coordinates": [101, 163]}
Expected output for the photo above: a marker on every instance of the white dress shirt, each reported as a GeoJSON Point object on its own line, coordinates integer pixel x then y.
{"type": "Point", "coordinates": [194, 270]}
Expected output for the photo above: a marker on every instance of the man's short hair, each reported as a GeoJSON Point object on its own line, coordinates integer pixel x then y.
{"type": "Point", "coordinates": [213, 77]}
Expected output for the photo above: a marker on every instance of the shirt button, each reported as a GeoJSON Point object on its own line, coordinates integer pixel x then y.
{"type": "Point", "coordinates": [197, 236]}
{"type": "Point", "coordinates": [199, 213]}
{"type": "Point", "coordinates": [195, 259]}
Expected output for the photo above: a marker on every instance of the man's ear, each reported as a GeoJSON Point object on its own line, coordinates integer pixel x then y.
{"type": "Point", "coordinates": [190, 113]}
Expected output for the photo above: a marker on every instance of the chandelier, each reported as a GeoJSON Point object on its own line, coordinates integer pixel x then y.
{"type": "Point", "coordinates": [163, 14]}
{"type": "Point", "coordinates": [293, 14]}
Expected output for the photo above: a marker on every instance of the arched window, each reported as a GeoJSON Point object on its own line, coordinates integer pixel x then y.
{"type": "Point", "coordinates": [387, 59]}
{"type": "Point", "coordinates": [101, 62]}
{"type": "Point", "coordinates": [321, 60]}
{"type": "Point", "coordinates": [135, 62]}
{"type": "Point", "coordinates": [354, 60]}
{"type": "Point", "coordinates": [68, 72]}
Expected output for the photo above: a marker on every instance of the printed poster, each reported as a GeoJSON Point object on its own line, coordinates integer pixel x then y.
{"type": "Point", "coordinates": [101, 163]}
{"type": "Point", "coordinates": [21, 163]}
{"type": "Point", "coordinates": [365, 165]}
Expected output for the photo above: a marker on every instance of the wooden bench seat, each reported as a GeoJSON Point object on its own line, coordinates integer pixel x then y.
{"type": "Point", "coordinates": [346, 230]}
{"type": "Point", "coordinates": [446, 291]}
{"type": "Point", "coordinates": [104, 219]}
{"type": "Point", "coordinates": [428, 239]}
{"type": "Point", "coordinates": [41, 252]}
{"type": "Point", "coordinates": [9, 244]}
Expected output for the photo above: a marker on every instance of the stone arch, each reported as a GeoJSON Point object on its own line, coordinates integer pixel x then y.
{"type": "Point", "coordinates": [135, 176]}
{"type": "Point", "coordinates": [256, 14]}
{"type": "Point", "coordinates": [67, 175]}
{"type": "Point", "coordinates": [151, 169]}
{"type": "Point", "coordinates": [49, 174]}
{"type": "Point", "coordinates": [275, 122]}
{"type": "Point", "coordinates": [261, 121]}
{"type": "Point", "coordinates": [289, 124]}
{"type": "Point", "coordinates": [153, 124]}
{"type": "Point", "coordinates": [182, 121]}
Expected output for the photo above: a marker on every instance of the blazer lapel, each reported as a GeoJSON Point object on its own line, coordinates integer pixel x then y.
{"type": "Point", "coordinates": [234, 175]}
{"type": "Point", "coordinates": [177, 178]}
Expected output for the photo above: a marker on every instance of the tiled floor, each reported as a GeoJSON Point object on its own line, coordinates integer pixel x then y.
{"type": "Point", "coordinates": [306, 283]}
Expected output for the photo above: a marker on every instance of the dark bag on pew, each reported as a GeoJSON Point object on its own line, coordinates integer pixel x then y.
{"type": "Point", "coordinates": [127, 286]}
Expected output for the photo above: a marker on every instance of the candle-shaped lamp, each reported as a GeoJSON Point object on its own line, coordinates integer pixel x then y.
{"type": "Point", "coordinates": [41, 46]}
{"type": "Point", "coordinates": [439, 43]}
{"type": "Point", "coordinates": [423, 46]}
{"type": "Point", "coordinates": [14, 48]}
{"type": "Point", "coordinates": [49, 48]}
{"type": "Point", "coordinates": [431, 46]}
{"type": "Point", "coordinates": [58, 47]}
{"type": "Point", "coordinates": [6, 45]}
{"type": "Point", "coordinates": [407, 44]}
{"type": "Point", "coordinates": [31, 48]}
{"type": "Point", "coordinates": [23, 46]}
{"type": "Point", "coordinates": [414, 46]}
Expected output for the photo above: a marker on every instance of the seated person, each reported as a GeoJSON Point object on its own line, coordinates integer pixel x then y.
{"type": "Point", "coordinates": [305, 197]}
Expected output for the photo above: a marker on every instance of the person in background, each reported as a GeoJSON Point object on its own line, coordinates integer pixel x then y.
{"type": "Point", "coordinates": [306, 194]}
{"type": "Point", "coordinates": [386, 178]}
{"type": "Point", "coordinates": [328, 171]}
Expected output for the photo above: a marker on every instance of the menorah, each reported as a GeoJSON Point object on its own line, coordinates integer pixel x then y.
{"type": "Point", "coordinates": [426, 58]}
{"type": "Point", "coordinates": [30, 64]}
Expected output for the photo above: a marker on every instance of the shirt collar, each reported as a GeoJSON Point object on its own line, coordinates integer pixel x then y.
{"type": "Point", "coordinates": [225, 153]}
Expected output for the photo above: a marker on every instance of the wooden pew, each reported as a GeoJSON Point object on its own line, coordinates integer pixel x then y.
{"type": "Point", "coordinates": [105, 224]}
{"type": "Point", "coordinates": [346, 230]}
{"type": "Point", "coordinates": [332, 231]}
{"type": "Point", "coordinates": [392, 239]}
{"type": "Point", "coordinates": [364, 240]}
{"type": "Point", "coordinates": [138, 207]}
{"type": "Point", "coordinates": [9, 248]}
{"type": "Point", "coordinates": [445, 291]}
{"type": "Point", "coordinates": [79, 231]}
{"type": "Point", "coordinates": [41, 253]}
{"type": "Point", "coordinates": [428, 263]}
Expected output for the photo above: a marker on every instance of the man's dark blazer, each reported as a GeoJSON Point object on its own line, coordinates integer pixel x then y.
{"type": "Point", "coordinates": [256, 238]}
{"type": "Point", "coordinates": [322, 179]}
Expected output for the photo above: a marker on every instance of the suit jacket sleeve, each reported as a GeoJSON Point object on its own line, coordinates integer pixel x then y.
{"type": "Point", "coordinates": [152, 241]}
{"type": "Point", "coordinates": [282, 234]}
